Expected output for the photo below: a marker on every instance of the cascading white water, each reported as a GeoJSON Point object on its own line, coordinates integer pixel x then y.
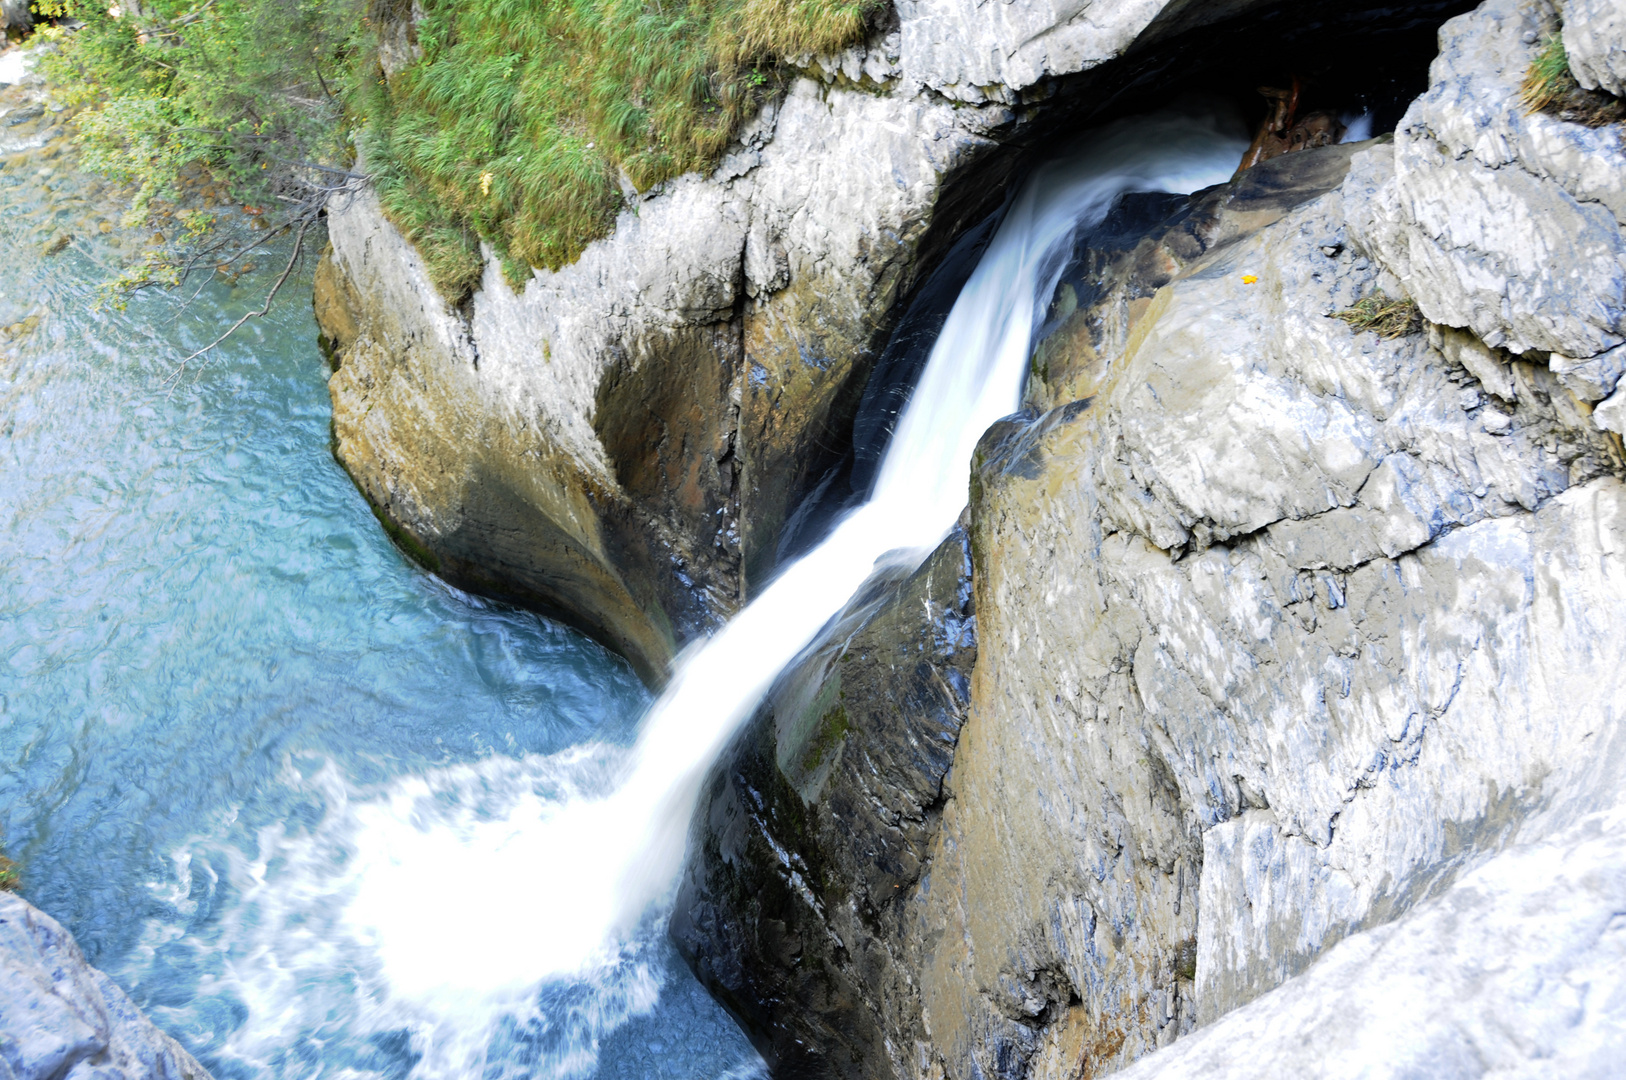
{"type": "Point", "coordinates": [459, 895]}
{"type": "Point", "coordinates": [556, 889]}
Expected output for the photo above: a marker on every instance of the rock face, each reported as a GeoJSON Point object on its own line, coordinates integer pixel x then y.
{"type": "Point", "coordinates": [61, 1019]}
{"type": "Point", "coordinates": [1515, 970]}
{"type": "Point", "coordinates": [621, 442]}
{"type": "Point", "coordinates": [1295, 656]}
{"type": "Point", "coordinates": [1505, 223]}
{"type": "Point", "coordinates": [818, 825]}
{"type": "Point", "coordinates": [1595, 39]}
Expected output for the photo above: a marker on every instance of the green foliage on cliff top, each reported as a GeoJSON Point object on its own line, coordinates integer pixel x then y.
{"type": "Point", "coordinates": [518, 126]}
{"type": "Point", "coordinates": [523, 118]}
{"type": "Point", "coordinates": [247, 89]}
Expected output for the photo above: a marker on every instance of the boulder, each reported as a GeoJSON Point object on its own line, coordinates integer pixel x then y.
{"type": "Point", "coordinates": [1517, 969]}
{"type": "Point", "coordinates": [1595, 41]}
{"type": "Point", "coordinates": [1503, 222]}
{"type": "Point", "coordinates": [61, 1019]}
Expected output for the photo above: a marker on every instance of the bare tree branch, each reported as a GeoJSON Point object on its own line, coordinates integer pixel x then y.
{"type": "Point", "coordinates": [293, 258]}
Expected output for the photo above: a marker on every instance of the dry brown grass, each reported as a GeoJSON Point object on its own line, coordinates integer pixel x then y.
{"type": "Point", "coordinates": [1550, 87]}
{"type": "Point", "coordinates": [1384, 315]}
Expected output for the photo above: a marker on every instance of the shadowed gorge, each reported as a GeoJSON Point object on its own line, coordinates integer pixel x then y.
{"type": "Point", "coordinates": [926, 540]}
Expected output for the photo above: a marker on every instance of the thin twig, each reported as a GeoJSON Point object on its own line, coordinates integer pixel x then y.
{"type": "Point", "coordinates": [299, 243]}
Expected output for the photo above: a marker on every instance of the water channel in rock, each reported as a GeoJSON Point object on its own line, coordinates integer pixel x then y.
{"type": "Point", "coordinates": [320, 814]}
{"type": "Point", "coordinates": [225, 697]}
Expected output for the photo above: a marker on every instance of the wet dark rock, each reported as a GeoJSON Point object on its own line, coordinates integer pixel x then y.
{"type": "Point", "coordinates": [815, 826]}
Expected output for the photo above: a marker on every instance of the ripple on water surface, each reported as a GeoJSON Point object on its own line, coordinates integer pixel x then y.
{"type": "Point", "coordinates": [225, 698]}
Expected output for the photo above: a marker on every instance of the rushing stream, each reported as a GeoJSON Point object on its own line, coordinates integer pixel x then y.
{"type": "Point", "coordinates": [321, 814]}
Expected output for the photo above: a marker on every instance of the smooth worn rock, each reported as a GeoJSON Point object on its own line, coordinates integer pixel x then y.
{"type": "Point", "coordinates": [1517, 969]}
{"type": "Point", "coordinates": [622, 442]}
{"type": "Point", "coordinates": [1274, 592]}
{"type": "Point", "coordinates": [619, 441]}
{"type": "Point", "coordinates": [1269, 613]}
{"type": "Point", "coordinates": [1502, 222]}
{"type": "Point", "coordinates": [813, 831]}
{"type": "Point", "coordinates": [1595, 42]}
{"type": "Point", "coordinates": [61, 1019]}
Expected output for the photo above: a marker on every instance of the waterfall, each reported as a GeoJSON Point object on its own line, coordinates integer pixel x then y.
{"type": "Point", "coordinates": [584, 871]}
{"type": "Point", "coordinates": [460, 897]}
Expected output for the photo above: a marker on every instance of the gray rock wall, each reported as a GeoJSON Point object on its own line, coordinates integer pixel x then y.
{"type": "Point", "coordinates": [1503, 222]}
{"type": "Point", "coordinates": [1296, 711]}
{"type": "Point", "coordinates": [621, 442]}
{"type": "Point", "coordinates": [1595, 40]}
{"type": "Point", "coordinates": [61, 1019]}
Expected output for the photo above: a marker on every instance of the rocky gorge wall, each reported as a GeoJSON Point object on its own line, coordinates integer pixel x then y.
{"type": "Point", "coordinates": [1270, 682]}
{"type": "Point", "coordinates": [621, 442]}
{"type": "Point", "coordinates": [1292, 740]}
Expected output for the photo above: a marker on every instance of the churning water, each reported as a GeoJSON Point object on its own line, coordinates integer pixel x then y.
{"type": "Point", "coordinates": [326, 817]}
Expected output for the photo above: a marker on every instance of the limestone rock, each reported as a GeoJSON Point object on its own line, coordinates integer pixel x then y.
{"type": "Point", "coordinates": [1275, 590]}
{"type": "Point", "coordinates": [1595, 40]}
{"type": "Point", "coordinates": [621, 442]}
{"type": "Point", "coordinates": [397, 24]}
{"type": "Point", "coordinates": [1517, 969]}
{"type": "Point", "coordinates": [61, 1019]}
{"type": "Point", "coordinates": [814, 829]}
{"type": "Point", "coordinates": [976, 52]}
{"type": "Point", "coordinates": [1505, 223]}
{"type": "Point", "coordinates": [1252, 589]}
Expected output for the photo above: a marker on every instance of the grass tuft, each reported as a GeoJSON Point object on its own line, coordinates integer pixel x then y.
{"type": "Point", "coordinates": [519, 127]}
{"type": "Point", "coordinates": [10, 880]}
{"type": "Point", "coordinates": [1383, 315]}
{"type": "Point", "coordinates": [1550, 87]}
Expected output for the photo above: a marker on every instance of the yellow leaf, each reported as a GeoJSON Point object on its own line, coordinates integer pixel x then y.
{"type": "Point", "coordinates": [1249, 279]}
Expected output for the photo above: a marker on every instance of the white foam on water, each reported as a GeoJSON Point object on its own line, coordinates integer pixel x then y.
{"type": "Point", "coordinates": [452, 901]}
{"type": "Point", "coordinates": [1357, 126]}
{"type": "Point", "coordinates": [585, 871]}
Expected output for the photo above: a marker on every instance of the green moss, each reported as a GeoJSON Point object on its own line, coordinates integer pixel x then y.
{"type": "Point", "coordinates": [9, 877]}
{"type": "Point", "coordinates": [1384, 316]}
{"type": "Point", "coordinates": [833, 728]}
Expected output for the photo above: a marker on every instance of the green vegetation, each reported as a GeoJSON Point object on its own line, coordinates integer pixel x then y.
{"type": "Point", "coordinates": [1550, 87]}
{"type": "Point", "coordinates": [1383, 315]}
{"type": "Point", "coordinates": [833, 728]}
{"type": "Point", "coordinates": [9, 879]}
{"type": "Point", "coordinates": [524, 116]}
{"type": "Point", "coordinates": [242, 94]}
{"type": "Point", "coordinates": [519, 125]}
